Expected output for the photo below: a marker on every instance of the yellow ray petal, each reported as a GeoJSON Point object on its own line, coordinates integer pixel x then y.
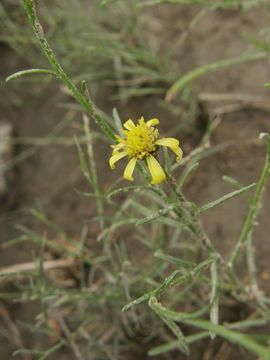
{"type": "Point", "coordinates": [129, 169]}
{"type": "Point", "coordinates": [129, 124]}
{"type": "Point", "coordinates": [115, 157]}
{"type": "Point", "coordinates": [152, 122]}
{"type": "Point", "coordinates": [173, 144]}
{"type": "Point", "coordinates": [117, 147]}
{"type": "Point", "coordinates": [156, 171]}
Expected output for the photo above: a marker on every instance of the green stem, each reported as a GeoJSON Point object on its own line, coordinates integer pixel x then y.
{"type": "Point", "coordinates": [85, 102]}
{"type": "Point", "coordinates": [253, 209]}
{"type": "Point", "coordinates": [252, 269]}
{"type": "Point", "coordinates": [93, 167]}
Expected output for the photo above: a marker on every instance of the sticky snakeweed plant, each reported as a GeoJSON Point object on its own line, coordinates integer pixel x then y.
{"type": "Point", "coordinates": [141, 142]}
{"type": "Point", "coordinates": [204, 276]}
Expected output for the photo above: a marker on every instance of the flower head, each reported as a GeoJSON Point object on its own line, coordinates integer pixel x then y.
{"type": "Point", "coordinates": [141, 142]}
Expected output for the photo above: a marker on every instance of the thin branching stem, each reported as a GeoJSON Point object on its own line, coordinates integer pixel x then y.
{"type": "Point", "coordinates": [85, 102]}
{"type": "Point", "coordinates": [188, 213]}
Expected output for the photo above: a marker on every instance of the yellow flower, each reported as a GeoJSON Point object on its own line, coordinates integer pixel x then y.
{"type": "Point", "coordinates": [141, 142]}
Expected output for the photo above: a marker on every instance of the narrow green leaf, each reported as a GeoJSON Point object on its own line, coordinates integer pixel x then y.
{"type": "Point", "coordinates": [182, 343]}
{"type": "Point", "coordinates": [27, 72]}
{"type": "Point", "coordinates": [117, 120]}
{"type": "Point", "coordinates": [141, 209]}
{"type": "Point", "coordinates": [168, 164]}
{"type": "Point", "coordinates": [137, 301]}
{"type": "Point", "coordinates": [190, 169]}
{"type": "Point", "coordinates": [155, 215]}
{"type": "Point", "coordinates": [170, 222]}
{"type": "Point", "coordinates": [224, 198]}
{"type": "Point", "coordinates": [247, 323]}
{"type": "Point", "coordinates": [88, 194]}
{"type": "Point", "coordinates": [232, 181]}
{"type": "Point", "coordinates": [156, 196]}
{"type": "Point", "coordinates": [172, 345]}
{"type": "Point", "coordinates": [114, 226]}
{"type": "Point", "coordinates": [83, 162]}
{"type": "Point", "coordinates": [214, 298]}
{"type": "Point", "coordinates": [192, 75]}
{"type": "Point", "coordinates": [173, 260]}
{"type": "Point", "coordinates": [125, 189]}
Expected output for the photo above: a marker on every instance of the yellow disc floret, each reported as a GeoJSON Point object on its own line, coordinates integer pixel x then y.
{"type": "Point", "coordinates": [140, 141]}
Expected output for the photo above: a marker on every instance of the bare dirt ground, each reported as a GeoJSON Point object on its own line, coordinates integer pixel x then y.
{"type": "Point", "coordinates": [49, 175]}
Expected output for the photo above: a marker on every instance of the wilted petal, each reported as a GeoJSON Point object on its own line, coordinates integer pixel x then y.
{"type": "Point", "coordinates": [173, 144]}
{"type": "Point", "coordinates": [129, 124]}
{"type": "Point", "coordinates": [115, 157]}
{"type": "Point", "coordinates": [129, 169]}
{"type": "Point", "coordinates": [152, 122]}
{"type": "Point", "coordinates": [156, 171]}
